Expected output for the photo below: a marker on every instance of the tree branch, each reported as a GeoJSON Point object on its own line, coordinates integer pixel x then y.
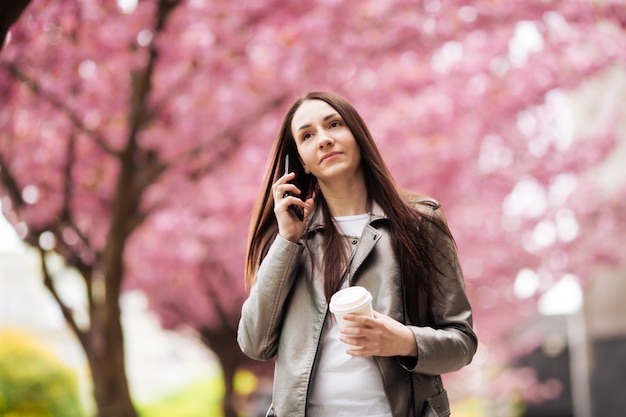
{"type": "Point", "coordinates": [224, 152]}
{"type": "Point", "coordinates": [66, 213]}
{"type": "Point", "coordinates": [10, 184]}
{"type": "Point", "coordinates": [138, 169]}
{"type": "Point", "coordinates": [59, 104]}
{"type": "Point", "coordinates": [65, 310]}
{"type": "Point", "coordinates": [223, 312]}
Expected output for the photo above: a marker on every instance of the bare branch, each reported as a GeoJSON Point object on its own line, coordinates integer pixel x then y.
{"type": "Point", "coordinates": [65, 310]}
{"type": "Point", "coordinates": [8, 181]}
{"type": "Point", "coordinates": [10, 184]}
{"type": "Point", "coordinates": [66, 217]}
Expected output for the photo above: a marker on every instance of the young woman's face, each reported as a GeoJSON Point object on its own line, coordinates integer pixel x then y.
{"type": "Point", "coordinates": [326, 145]}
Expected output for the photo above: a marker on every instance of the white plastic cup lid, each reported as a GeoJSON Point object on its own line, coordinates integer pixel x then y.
{"type": "Point", "coordinates": [351, 298]}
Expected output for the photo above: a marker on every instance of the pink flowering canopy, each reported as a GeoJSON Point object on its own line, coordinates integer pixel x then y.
{"type": "Point", "coordinates": [463, 98]}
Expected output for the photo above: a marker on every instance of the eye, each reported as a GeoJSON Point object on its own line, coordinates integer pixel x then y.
{"type": "Point", "coordinates": [334, 124]}
{"type": "Point", "coordinates": [305, 136]}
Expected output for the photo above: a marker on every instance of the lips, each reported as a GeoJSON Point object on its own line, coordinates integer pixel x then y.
{"type": "Point", "coordinates": [329, 155]}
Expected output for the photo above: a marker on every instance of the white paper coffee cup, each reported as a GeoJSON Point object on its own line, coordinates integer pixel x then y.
{"type": "Point", "coordinates": [354, 300]}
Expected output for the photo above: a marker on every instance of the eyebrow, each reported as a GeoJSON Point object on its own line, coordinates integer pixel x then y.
{"type": "Point", "coordinates": [330, 116]}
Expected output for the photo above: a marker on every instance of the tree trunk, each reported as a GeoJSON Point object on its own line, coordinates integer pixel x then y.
{"type": "Point", "coordinates": [223, 342]}
{"type": "Point", "coordinates": [229, 356]}
{"type": "Point", "coordinates": [229, 367]}
{"type": "Point", "coordinates": [107, 363]}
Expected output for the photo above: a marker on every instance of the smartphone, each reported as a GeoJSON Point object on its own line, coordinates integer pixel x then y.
{"type": "Point", "coordinates": [297, 210]}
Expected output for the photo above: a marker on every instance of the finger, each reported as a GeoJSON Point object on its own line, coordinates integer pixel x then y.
{"type": "Point", "coordinates": [284, 191]}
{"type": "Point", "coordinates": [353, 341]}
{"type": "Point", "coordinates": [362, 320]}
{"type": "Point", "coordinates": [309, 204]}
{"type": "Point", "coordinates": [363, 351]}
{"type": "Point", "coordinates": [286, 178]}
{"type": "Point", "coordinates": [289, 190]}
{"type": "Point", "coordinates": [282, 180]}
{"type": "Point", "coordinates": [355, 352]}
{"type": "Point", "coordinates": [353, 332]}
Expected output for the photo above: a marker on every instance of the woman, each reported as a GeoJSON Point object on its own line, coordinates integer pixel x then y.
{"type": "Point", "coordinates": [358, 228]}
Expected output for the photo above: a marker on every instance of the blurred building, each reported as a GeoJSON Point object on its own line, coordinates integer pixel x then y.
{"type": "Point", "coordinates": [603, 343]}
{"type": "Point", "coordinates": [585, 352]}
{"type": "Point", "coordinates": [584, 346]}
{"type": "Point", "coordinates": [605, 312]}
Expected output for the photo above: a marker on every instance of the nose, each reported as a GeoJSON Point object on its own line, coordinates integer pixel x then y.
{"type": "Point", "coordinates": [324, 139]}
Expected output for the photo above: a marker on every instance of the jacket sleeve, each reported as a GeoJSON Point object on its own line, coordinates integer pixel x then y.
{"type": "Point", "coordinates": [448, 342]}
{"type": "Point", "coordinates": [262, 312]}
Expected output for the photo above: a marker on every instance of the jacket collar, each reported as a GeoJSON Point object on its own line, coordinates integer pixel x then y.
{"type": "Point", "coordinates": [316, 224]}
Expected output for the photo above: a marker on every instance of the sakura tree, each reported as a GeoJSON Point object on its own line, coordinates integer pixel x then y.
{"type": "Point", "coordinates": [133, 138]}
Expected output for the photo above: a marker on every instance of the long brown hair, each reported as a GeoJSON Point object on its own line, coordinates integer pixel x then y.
{"type": "Point", "coordinates": [417, 251]}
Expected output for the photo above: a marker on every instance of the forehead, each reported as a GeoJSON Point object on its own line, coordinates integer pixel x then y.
{"type": "Point", "coordinates": [311, 111]}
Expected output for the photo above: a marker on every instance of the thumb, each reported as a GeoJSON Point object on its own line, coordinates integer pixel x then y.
{"type": "Point", "coordinates": [308, 205]}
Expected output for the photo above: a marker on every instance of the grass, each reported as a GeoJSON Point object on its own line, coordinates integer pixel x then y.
{"type": "Point", "coordinates": [202, 399]}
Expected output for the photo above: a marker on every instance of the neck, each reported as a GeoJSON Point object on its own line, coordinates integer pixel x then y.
{"type": "Point", "coordinates": [346, 199]}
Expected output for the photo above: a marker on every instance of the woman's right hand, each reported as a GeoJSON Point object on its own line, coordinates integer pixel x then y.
{"type": "Point", "coordinates": [289, 226]}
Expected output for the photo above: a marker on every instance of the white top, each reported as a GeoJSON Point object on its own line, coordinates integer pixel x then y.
{"type": "Point", "coordinates": [352, 225]}
{"type": "Point", "coordinates": [343, 385]}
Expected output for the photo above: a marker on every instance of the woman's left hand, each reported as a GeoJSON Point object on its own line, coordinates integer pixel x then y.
{"type": "Point", "coordinates": [378, 336]}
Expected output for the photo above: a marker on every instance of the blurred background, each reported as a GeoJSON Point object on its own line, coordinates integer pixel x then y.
{"type": "Point", "coordinates": [133, 141]}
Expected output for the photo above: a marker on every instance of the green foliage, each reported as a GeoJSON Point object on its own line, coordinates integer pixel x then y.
{"type": "Point", "coordinates": [197, 400]}
{"type": "Point", "coordinates": [33, 383]}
